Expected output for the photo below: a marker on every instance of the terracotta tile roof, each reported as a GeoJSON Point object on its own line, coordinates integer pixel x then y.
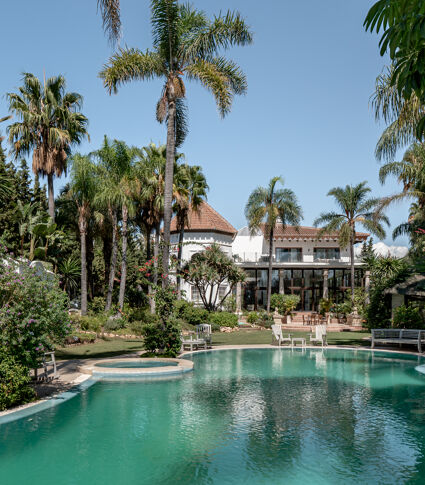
{"type": "Point", "coordinates": [205, 219]}
{"type": "Point", "coordinates": [306, 232]}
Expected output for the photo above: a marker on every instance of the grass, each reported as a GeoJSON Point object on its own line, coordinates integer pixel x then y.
{"type": "Point", "coordinates": [111, 347]}
{"type": "Point", "coordinates": [107, 347]}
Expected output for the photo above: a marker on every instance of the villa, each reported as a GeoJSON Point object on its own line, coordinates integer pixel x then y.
{"type": "Point", "coordinates": [304, 264]}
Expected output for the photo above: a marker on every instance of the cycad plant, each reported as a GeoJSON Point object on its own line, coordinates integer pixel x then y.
{"type": "Point", "coordinates": [50, 123]}
{"type": "Point", "coordinates": [355, 208]}
{"type": "Point", "coordinates": [269, 206]}
{"type": "Point", "coordinates": [185, 42]}
{"type": "Point", "coordinates": [83, 189]}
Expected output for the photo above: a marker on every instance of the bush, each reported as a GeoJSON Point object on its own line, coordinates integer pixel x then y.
{"type": "Point", "coordinates": [252, 318]}
{"type": "Point", "coordinates": [91, 323]}
{"type": "Point", "coordinates": [230, 304]}
{"type": "Point", "coordinates": [265, 320]}
{"type": "Point", "coordinates": [223, 319]}
{"type": "Point", "coordinates": [97, 304]}
{"type": "Point", "coordinates": [215, 327]}
{"type": "Point", "coordinates": [285, 304]}
{"type": "Point", "coordinates": [164, 339]}
{"type": "Point", "coordinates": [33, 314]}
{"type": "Point", "coordinates": [113, 324]}
{"type": "Point", "coordinates": [137, 327]}
{"type": "Point", "coordinates": [15, 386]}
{"type": "Point", "coordinates": [408, 317]}
{"type": "Point", "coordinates": [194, 315]}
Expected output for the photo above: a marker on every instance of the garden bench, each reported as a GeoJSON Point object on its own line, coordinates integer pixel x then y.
{"type": "Point", "coordinates": [398, 336]}
{"type": "Point", "coordinates": [203, 332]}
{"type": "Point", "coordinates": [191, 343]}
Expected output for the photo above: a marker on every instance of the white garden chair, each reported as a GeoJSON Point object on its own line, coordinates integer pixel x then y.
{"type": "Point", "coordinates": [203, 331]}
{"type": "Point", "coordinates": [277, 334]}
{"type": "Point", "coordinates": [320, 335]}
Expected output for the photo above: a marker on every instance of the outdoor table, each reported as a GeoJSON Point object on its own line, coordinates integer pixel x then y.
{"type": "Point", "coordinates": [297, 339]}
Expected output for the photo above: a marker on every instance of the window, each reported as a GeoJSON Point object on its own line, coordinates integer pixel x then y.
{"type": "Point", "coordinates": [195, 294]}
{"type": "Point", "coordinates": [222, 291]}
{"type": "Point", "coordinates": [326, 253]}
{"type": "Point", "coordinates": [288, 255]}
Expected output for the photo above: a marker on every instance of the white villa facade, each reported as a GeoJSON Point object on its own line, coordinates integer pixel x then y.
{"type": "Point", "coordinates": [304, 264]}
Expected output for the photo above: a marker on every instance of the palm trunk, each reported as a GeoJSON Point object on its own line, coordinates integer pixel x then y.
{"type": "Point", "coordinates": [352, 265]}
{"type": "Point", "coordinates": [107, 252]}
{"type": "Point", "coordinates": [148, 243]}
{"type": "Point", "coordinates": [83, 229]}
{"type": "Point", "coordinates": [123, 257]}
{"type": "Point", "coordinates": [179, 259]}
{"type": "Point", "coordinates": [51, 196]}
{"type": "Point", "coordinates": [156, 254]}
{"type": "Point", "coordinates": [90, 259]}
{"type": "Point", "coordinates": [113, 259]}
{"type": "Point", "coordinates": [269, 281]}
{"type": "Point", "coordinates": [168, 186]}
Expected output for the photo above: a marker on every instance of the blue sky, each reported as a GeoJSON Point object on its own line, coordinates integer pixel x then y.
{"type": "Point", "coordinates": [306, 117]}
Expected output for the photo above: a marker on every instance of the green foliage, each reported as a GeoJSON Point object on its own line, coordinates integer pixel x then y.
{"type": "Point", "coordinates": [15, 381]}
{"type": "Point", "coordinates": [325, 305]}
{"type": "Point", "coordinates": [33, 313]}
{"type": "Point", "coordinates": [92, 323]}
{"type": "Point", "coordinates": [194, 315]}
{"type": "Point", "coordinates": [252, 318]}
{"type": "Point", "coordinates": [97, 305]}
{"type": "Point", "coordinates": [223, 319]}
{"type": "Point", "coordinates": [113, 324]}
{"type": "Point", "coordinates": [162, 339]}
{"type": "Point", "coordinates": [210, 269]}
{"type": "Point", "coordinates": [285, 304]}
{"type": "Point", "coordinates": [265, 319]}
{"type": "Point", "coordinates": [408, 317]}
{"type": "Point", "coordinates": [165, 299]}
{"type": "Point", "coordinates": [230, 304]}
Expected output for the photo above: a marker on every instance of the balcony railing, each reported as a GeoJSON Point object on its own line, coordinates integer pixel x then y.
{"type": "Point", "coordinates": [247, 257]}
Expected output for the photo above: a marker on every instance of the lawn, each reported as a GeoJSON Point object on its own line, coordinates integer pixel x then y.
{"type": "Point", "coordinates": [111, 347]}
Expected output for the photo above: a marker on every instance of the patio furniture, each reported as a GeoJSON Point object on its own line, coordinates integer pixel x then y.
{"type": "Point", "coordinates": [398, 336]}
{"type": "Point", "coordinates": [300, 340]}
{"type": "Point", "coordinates": [319, 336]}
{"type": "Point", "coordinates": [45, 364]}
{"type": "Point", "coordinates": [277, 334]}
{"type": "Point", "coordinates": [203, 331]}
{"type": "Point", "coordinates": [193, 343]}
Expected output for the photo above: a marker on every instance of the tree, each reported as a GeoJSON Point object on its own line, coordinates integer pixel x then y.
{"type": "Point", "coordinates": [403, 39]}
{"type": "Point", "coordinates": [191, 190]}
{"type": "Point", "coordinates": [210, 269]}
{"type": "Point", "coordinates": [356, 208]}
{"type": "Point", "coordinates": [269, 206]}
{"type": "Point", "coordinates": [83, 190]}
{"type": "Point", "coordinates": [110, 11]}
{"type": "Point", "coordinates": [51, 122]}
{"type": "Point", "coordinates": [186, 42]}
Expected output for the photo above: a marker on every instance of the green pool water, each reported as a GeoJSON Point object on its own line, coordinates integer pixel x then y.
{"type": "Point", "coordinates": [241, 417]}
{"type": "Point", "coordinates": [135, 365]}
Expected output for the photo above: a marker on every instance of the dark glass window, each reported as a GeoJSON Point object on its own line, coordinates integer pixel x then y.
{"type": "Point", "coordinates": [308, 278]}
{"type": "Point", "coordinates": [297, 277]}
{"type": "Point", "coordinates": [288, 255]}
{"type": "Point", "coordinates": [326, 253]}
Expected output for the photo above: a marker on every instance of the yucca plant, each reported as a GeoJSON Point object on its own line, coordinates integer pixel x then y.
{"type": "Point", "coordinates": [185, 43]}
{"type": "Point", "coordinates": [70, 271]}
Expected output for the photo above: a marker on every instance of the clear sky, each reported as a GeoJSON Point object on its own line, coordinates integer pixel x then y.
{"type": "Point", "coordinates": [306, 117]}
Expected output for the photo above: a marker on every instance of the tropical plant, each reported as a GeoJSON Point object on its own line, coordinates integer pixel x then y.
{"type": "Point", "coordinates": [110, 11]}
{"type": "Point", "coordinates": [355, 208]}
{"type": "Point", "coordinates": [403, 39]}
{"type": "Point", "coordinates": [83, 189]}
{"type": "Point", "coordinates": [186, 42]}
{"type": "Point", "coordinates": [191, 190]}
{"type": "Point", "coordinates": [269, 206]}
{"type": "Point", "coordinates": [285, 304]}
{"type": "Point", "coordinates": [70, 273]}
{"type": "Point", "coordinates": [50, 123]}
{"type": "Point", "coordinates": [408, 317]}
{"type": "Point", "coordinates": [209, 270]}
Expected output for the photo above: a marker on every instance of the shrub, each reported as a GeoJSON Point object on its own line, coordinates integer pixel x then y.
{"type": "Point", "coordinates": [137, 327]}
{"type": "Point", "coordinates": [223, 319]}
{"type": "Point", "coordinates": [33, 314]}
{"type": "Point", "coordinates": [164, 339]}
{"type": "Point", "coordinates": [325, 305]}
{"type": "Point", "coordinates": [285, 304]}
{"type": "Point", "coordinates": [15, 386]}
{"type": "Point", "coordinates": [215, 327]}
{"type": "Point", "coordinates": [230, 304]}
{"type": "Point", "coordinates": [91, 323]}
{"type": "Point", "coordinates": [252, 318]}
{"type": "Point", "coordinates": [97, 304]}
{"type": "Point", "coordinates": [180, 307]}
{"type": "Point", "coordinates": [112, 324]}
{"type": "Point", "coordinates": [408, 317]}
{"type": "Point", "coordinates": [265, 320]}
{"type": "Point", "coordinates": [194, 315]}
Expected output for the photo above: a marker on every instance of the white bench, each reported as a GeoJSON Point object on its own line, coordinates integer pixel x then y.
{"type": "Point", "coordinates": [398, 336]}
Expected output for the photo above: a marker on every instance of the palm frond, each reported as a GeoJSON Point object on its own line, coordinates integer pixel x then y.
{"type": "Point", "coordinates": [182, 128]}
{"type": "Point", "coordinates": [110, 11]}
{"type": "Point", "coordinates": [165, 28]}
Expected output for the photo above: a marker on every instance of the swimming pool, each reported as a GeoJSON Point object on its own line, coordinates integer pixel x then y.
{"type": "Point", "coordinates": [256, 416]}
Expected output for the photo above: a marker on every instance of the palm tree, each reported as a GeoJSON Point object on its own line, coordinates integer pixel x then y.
{"type": "Point", "coordinates": [269, 206]}
{"type": "Point", "coordinates": [355, 208]}
{"type": "Point", "coordinates": [191, 190]}
{"type": "Point", "coordinates": [51, 122]}
{"type": "Point", "coordinates": [83, 190]}
{"type": "Point", "coordinates": [110, 11]}
{"type": "Point", "coordinates": [28, 216]}
{"type": "Point", "coordinates": [185, 42]}
{"type": "Point", "coordinates": [402, 115]}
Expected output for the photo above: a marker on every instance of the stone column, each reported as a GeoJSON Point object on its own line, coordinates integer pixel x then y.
{"type": "Point", "coordinates": [239, 297]}
{"type": "Point", "coordinates": [325, 283]}
{"type": "Point", "coordinates": [367, 286]}
{"type": "Point", "coordinates": [281, 283]}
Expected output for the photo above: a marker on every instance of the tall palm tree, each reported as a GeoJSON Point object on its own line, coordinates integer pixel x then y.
{"type": "Point", "coordinates": [110, 11]}
{"type": "Point", "coordinates": [401, 115]}
{"type": "Point", "coordinates": [355, 208]}
{"type": "Point", "coordinates": [191, 190]}
{"type": "Point", "coordinates": [50, 123]}
{"type": "Point", "coordinates": [83, 189]}
{"type": "Point", "coordinates": [269, 206]}
{"type": "Point", "coordinates": [185, 42]}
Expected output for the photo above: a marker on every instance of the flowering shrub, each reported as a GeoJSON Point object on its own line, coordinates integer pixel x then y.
{"type": "Point", "coordinates": [162, 338]}
{"type": "Point", "coordinates": [33, 314]}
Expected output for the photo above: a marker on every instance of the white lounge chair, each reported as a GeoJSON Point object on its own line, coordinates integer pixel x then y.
{"type": "Point", "coordinates": [277, 334]}
{"type": "Point", "coordinates": [203, 331]}
{"type": "Point", "coordinates": [320, 335]}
